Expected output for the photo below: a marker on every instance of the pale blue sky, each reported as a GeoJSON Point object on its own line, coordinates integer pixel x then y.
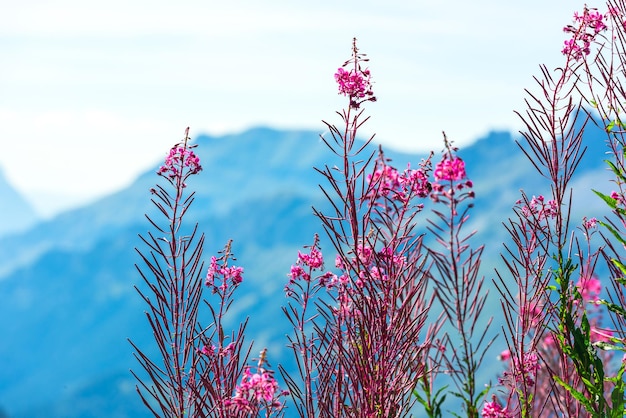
{"type": "Point", "coordinates": [93, 93]}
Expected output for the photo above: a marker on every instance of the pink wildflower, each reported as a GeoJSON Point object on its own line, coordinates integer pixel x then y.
{"type": "Point", "coordinates": [384, 181]}
{"type": "Point", "coordinates": [590, 223]}
{"type": "Point", "coordinates": [589, 289]}
{"type": "Point", "coordinates": [233, 273]}
{"type": "Point", "coordinates": [539, 209]}
{"type": "Point", "coordinates": [353, 84]}
{"type": "Point", "coordinates": [495, 410]}
{"type": "Point", "coordinates": [298, 272]}
{"type": "Point", "coordinates": [339, 262]}
{"type": "Point", "coordinates": [179, 157]}
{"type": "Point", "coordinates": [600, 335]}
{"type": "Point", "coordinates": [207, 351]}
{"type": "Point", "coordinates": [364, 255]}
{"type": "Point", "coordinates": [526, 370]}
{"type": "Point", "coordinates": [314, 259]}
{"type": "Point", "coordinates": [212, 271]}
{"type": "Point", "coordinates": [452, 169]}
{"type": "Point", "coordinates": [619, 198]}
{"type": "Point", "coordinates": [415, 181]}
{"type": "Point", "coordinates": [255, 388]}
{"type": "Point", "coordinates": [586, 27]}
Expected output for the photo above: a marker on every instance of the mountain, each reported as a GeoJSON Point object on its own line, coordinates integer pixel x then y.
{"type": "Point", "coordinates": [67, 302]}
{"type": "Point", "coordinates": [17, 214]}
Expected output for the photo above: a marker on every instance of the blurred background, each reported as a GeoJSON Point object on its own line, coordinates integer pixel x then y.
{"type": "Point", "coordinates": [92, 93]}
{"type": "Point", "coordinates": [92, 96]}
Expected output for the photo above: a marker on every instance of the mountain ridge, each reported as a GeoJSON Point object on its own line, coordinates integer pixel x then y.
{"type": "Point", "coordinates": [17, 213]}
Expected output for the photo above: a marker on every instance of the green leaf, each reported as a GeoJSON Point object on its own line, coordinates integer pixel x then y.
{"type": "Point", "coordinates": [602, 345]}
{"type": "Point", "coordinates": [607, 199]}
{"type": "Point", "coordinates": [617, 395]}
{"type": "Point", "coordinates": [614, 232]}
{"type": "Point", "coordinates": [580, 397]}
{"type": "Point", "coordinates": [613, 307]}
{"type": "Point", "coordinates": [610, 126]}
{"type": "Point", "coordinates": [619, 265]}
{"type": "Point", "coordinates": [619, 173]}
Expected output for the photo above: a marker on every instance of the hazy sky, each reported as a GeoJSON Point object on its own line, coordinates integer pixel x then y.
{"type": "Point", "coordinates": [93, 93]}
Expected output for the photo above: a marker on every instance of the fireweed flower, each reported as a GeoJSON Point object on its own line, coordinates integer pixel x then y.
{"type": "Point", "coordinates": [353, 83]}
{"type": "Point", "coordinates": [394, 259]}
{"type": "Point", "coordinates": [521, 372]}
{"type": "Point", "coordinates": [494, 410]}
{"type": "Point", "coordinates": [256, 389]}
{"type": "Point", "coordinates": [619, 198]}
{"type": "Point", "coordinates": [314, 259]}
{"type": "Point", "coordinates": [233, 274]}
{"type": "Point", "coordinates": [306, 265]}
{"type": "Point", "coordinates": [416, 181]}
{"type": "Point", "coordinates": [539, 209]}
{"type": "Point", "coordinates": [388, 183]}
{"type": "Point", "coordinates": [178, 157]}
{"type": "Point", "coordinates": [526, 370]}
{"type": "Point", "coordinates": [260, 385]}
{"type": "Point", "coordinates": [504, 355]}
{"type": "Point", "coordinates": [589, 289]}
{"type": "Point", "coordinates": [296, 273]}
{"type": "Point", "coordinates": [450, 169]}
{"type": "Point", "coordinates": [585, 28]}
{"type": "Point", "coordinates": [590, 223]}
{"type": "Point", "coordinates": [451, 178]}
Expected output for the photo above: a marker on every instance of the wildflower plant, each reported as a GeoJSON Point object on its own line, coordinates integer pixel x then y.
{"type": "Point", "coordinates": [458, 286]}
{"type": "Point", "coordinates": [201, 372]}
{"type": "Point", "coordinates": [359, 330]}
{"type": "Point", "coordinates": [557, 341]}
{"type": "Point", "coordinates": [402, 301]}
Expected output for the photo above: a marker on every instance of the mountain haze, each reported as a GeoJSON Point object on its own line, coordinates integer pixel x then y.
{"type": "Point", "coordinates": [16, 214]}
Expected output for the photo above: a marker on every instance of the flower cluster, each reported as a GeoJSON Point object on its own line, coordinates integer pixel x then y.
{"type": "Point", "coordinates": [233, 274]}
{"type": "Point", "coordinates": [450, 168]}
{"type": "Point", "coordinates": [306, 265]}
{"type": "Point", "coordinates": [256, 388]}
{"type": "Point", "coordinates": [180, 156]}
{"type": "Point", "coordinates": [522, 372]}
{"type": "Point", "coordinates": [494, 410]}
{"type": "Point", "coordinates": [619, 198]}
{"type": "Point", "coordinates": [590, 223]}
{"type": "Point", "coordinates": [314, 259]}
{"type": "Point", "coordinates": [526, 370]}
{"type": "Point", "coordinates": [589, 289]}
{"type": "Point", "coordinates": [538, 209]}
{"type": "Point", "coordinates": [367, 264]}
{"type": "Point", "coordinates": [221, 352]}
{"type": "Point", "coordinates": [584, 30]}
{"type": "Point", "coordinates": [260, 386]}
{"type": "Point", "coordinates": [388, 183]}
{"type": "Point", "coordinates": [355, 84]}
